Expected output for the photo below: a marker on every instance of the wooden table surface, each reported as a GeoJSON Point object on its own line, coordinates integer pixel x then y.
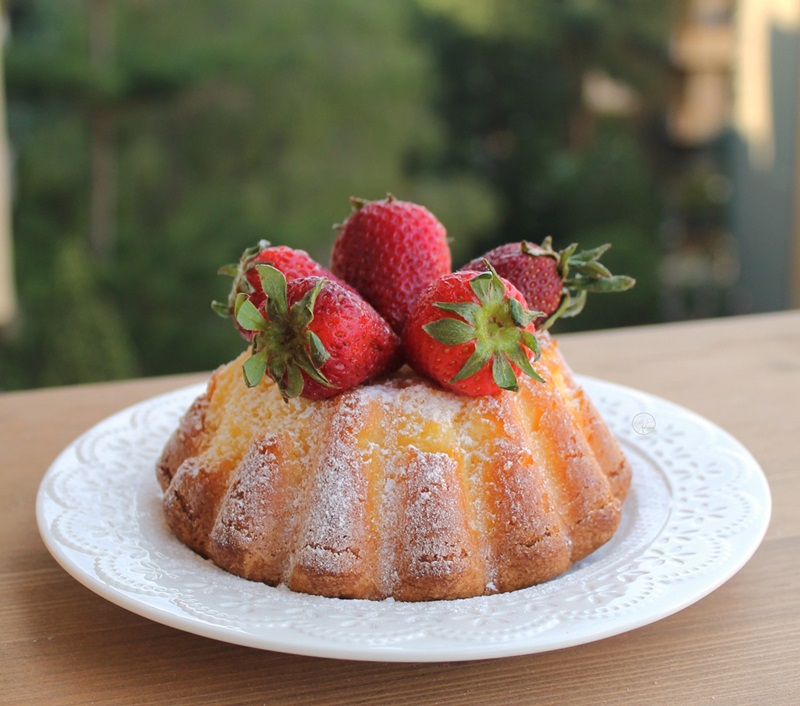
{"type": "Point", "coordinates": [62, 644]}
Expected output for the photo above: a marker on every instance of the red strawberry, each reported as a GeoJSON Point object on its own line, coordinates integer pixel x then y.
{"type": "Point", "coordinates": [555, 283]}
{"type": "Point", "coordinates": [314, 337]}
{"type": "Point", "coordinates": [389, 250]}
{"type": "Point", "coordinates": [293, 263]}
{"type": "Point", "coordinates": [471, 333]}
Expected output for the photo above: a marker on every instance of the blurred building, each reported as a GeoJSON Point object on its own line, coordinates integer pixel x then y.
{"type": "Point", "coordinates": [703, 50]}
{"type": "Point", "coordinates": [8, 301]}
{"type": "Point", "coordinates": [733, 236]}
{"type": "Point", "coordinates": [765, 153]}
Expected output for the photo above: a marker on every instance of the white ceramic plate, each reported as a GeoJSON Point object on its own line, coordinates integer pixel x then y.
{"type": "Point", "coordinates": [698, 509]}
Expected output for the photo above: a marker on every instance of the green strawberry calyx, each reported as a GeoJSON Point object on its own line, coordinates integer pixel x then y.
{"type": "Point", "coordinates": [357, 203]}
{"type": "Point", "coordinates": [581, 272]}
{"type": "Point", "coordinates": [497, 324]}
{"type": "Point", "coordinates": [240, 285]}
{"type": "Point", "coordinates": [283, 346]}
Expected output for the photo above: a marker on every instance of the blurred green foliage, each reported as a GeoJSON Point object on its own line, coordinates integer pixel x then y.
{"type": "Point", "coordinates": [233, 122]}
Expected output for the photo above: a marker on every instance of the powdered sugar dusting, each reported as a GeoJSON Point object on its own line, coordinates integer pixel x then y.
{"type": "Point", "coordinates": [396, 488]}
{"type": "Point", "coordinates": [255, 520]}
{"type": "Point", "coordinates": [335, 533]}
{"type": "Point", "coordinates": [436, 534]}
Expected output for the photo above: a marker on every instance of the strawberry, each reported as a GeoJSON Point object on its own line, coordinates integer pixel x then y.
{"type": "Point", "coordinates": [389, 250]}
{"type": "Point", "coordinates": [291, 262]}
{"type": "Point", "coordinates": [313, 336]}
{"type": "Point", "coordinates": [472, 333]}
{"type": "Point", "coordinates": [555, 283]}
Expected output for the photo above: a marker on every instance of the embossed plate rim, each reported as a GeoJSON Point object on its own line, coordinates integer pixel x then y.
{"type": "Point", "coordinates": [600, 617]}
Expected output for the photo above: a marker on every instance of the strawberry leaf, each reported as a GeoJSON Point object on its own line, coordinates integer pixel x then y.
{"type": "Point", "coordinates": [293, 383]}
{"type": "Point", "coordinates": [246, 314]}
{"type": "Point", "coordinates": [304, 363]}
{"type": "Point", "coordinates": [480, 357]}
{"type": "Point", "coordinates": [302, 311]}
{"type": "Point", "coordinates": [520, 359]}
{"type": "Point", "coordinates": [221, 309]}
{"type": "Point", "coordinates": [617, 283]}
{"type": "Point", "coordinates": [481, 285]}
{"type": "Point", "coordinates": [450, 332]}
{"type": "Point", "coordinates": [503, 374]}
{"type": "Point", "coordinates": [273, 282]}
{"type": "Point", "coordinates": [530, 342]}
{"type": "Point", "coordinates": [592, 269]}
{"type": "Point", "coordinates": [276, 367]}
{"type": "Point", "coordinates": [571, 305]}
{"type": "Point", "coordinates": [358, 203]}
{"type": "Point", "coordinates": [466, 310]}
{"type": "Point", "coordinates": [488, 286]}
{"type": "Point", "coordinates": [522, 317]}
{"type": "Point", "coordinates": [254, 368]}
{"type": "Point", "coordinates": [586, 256]}
{"type": "Point", "coordinates": [229, 270]}
{"type": "Point", "coordinates": [318, 353]}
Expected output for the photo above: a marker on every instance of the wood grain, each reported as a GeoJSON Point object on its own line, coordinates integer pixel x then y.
{"type": "Point", "coordinates": [62, 644]}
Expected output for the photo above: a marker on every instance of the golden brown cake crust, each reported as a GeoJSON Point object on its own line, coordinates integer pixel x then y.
{"type": "Point", "coordinates": [395, 489]}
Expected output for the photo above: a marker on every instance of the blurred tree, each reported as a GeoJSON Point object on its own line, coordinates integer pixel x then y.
{"type": "Point", "coordinates": [208, 126]}
{"type": "Point", "coordinates": [512, 82]}
{"type": "Point", "coordinates": [167, 137]}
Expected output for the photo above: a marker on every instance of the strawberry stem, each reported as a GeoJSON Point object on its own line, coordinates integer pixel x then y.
{"type": "Point", "coordinates": [283, 346]}
{"type": "Point", "coordinates": [497, 324]}
{"type": "Point", "coordinates": [581, 272]}
{"type": "Point", "coordinates": [240, 283]}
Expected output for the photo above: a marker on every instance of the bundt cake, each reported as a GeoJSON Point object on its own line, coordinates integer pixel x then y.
{"type": "Point", "coordinates": [396, 488]}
